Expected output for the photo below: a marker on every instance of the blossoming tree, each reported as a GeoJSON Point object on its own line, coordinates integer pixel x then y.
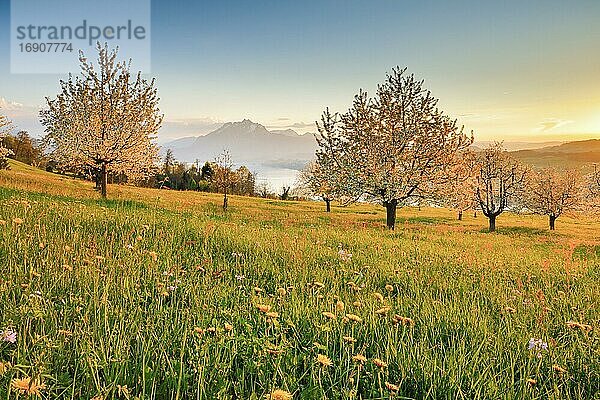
{"type": "Point", "coordinates": [104, 119]}
{"type": "Point", "coordinates": [5, 128]}
{"type": "Point", "coordinates": [552, 192]}
{"type": "Point", "coordinates": [500, 180]}
{"type": "Point", "coordinates": [394, 149]}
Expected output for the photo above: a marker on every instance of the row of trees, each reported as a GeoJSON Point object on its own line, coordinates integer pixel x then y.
{"type": "Point", "coordinates": [397, 149]}
{"type": "Point", "coordinates": [5, 127]}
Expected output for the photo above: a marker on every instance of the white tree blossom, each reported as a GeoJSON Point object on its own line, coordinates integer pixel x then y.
{"type": "Point", "coordinates": [5, 128]}
{"type": "Point", "coordinates": [393, 149]}
{"type": "Point", "coordinates": [105, 119]}
{"type": "Point", "coordinates": [552, 192]}
{"type": "Point", "coordinates": [500, 180]}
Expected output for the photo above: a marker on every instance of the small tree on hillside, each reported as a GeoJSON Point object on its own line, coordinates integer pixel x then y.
{"type": "Point", "coordinates": [105, 119]}
{"type": "Point", "coordinates": [551, 192]}
{"type": "Point", "coordinates": [459, 192]}
{"type": "Point", "coordinates": [5, 128]}
{"type": "Point", "coordinates": [394, 149]}
{"type": "Point", "coordinates": [500, 179]}
{"type": "Point", "coordinates": [314, 180]}
{"type": "Point", "coordinates": [223, 176]}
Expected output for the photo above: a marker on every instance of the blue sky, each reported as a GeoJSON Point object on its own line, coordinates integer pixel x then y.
{"type": "Point", "coordinates": [506, 69]}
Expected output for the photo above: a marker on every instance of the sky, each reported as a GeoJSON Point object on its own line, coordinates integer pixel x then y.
{"type": "Point", "coordinates": [508, 70]}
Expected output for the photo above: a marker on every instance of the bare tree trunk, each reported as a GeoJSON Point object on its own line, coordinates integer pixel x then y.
{"type": "Point", "coordinates": [225, 201]}
{"type": "Point", "coordinates": [492, 219]}
{"type": "Point", "coordinates": [103, 180]}
{"type": "Point", "coordinates": [390, 207]}
{"type": "Point", "coordinates": [460, 215]}
{"type": "Point", "coordinates": [552, 222]}
{"type": "Point", "coordinates": [328, 205]}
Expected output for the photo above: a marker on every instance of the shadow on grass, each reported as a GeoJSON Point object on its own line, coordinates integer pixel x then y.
{"type": "Point", "coordinates": [517, 231]}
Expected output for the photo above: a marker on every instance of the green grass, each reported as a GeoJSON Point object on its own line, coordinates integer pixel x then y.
{"type": "Point", "coordinates": [105, 294]}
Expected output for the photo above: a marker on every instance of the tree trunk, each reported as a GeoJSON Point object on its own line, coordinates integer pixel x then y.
{"type": "Point", "coordinates": [552, 221]}
{"type": "Point", "coordinates": [390, 207]}
{"type": "Point", "coordinates": [460, 215]}
{"type": "Point", "coordinates": [225, 201]}
{"type": "Point", "coordinates": [474, 214]}
{"type": "Point", "coordinates": [328, 205]}
{"type": "Point", "coordinates": [492, 223]}
{"type": "Point", "coordinates": [103, 180]}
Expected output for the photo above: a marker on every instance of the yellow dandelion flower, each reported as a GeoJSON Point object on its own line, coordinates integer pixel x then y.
{"type": "Point", "coordinates": [4, 366]}
{"type": "Point", "coordinates": [228, 327]}
{"type": "Point", "coordinates": [153, 255]}
{"type": "Point", "coordinates": [389, 288]}
{"type": "Point", "coordinates": [328, 314]}
{"type": "Point", "coordinates": [27, 386]}
{"type": "Point", "coordinates": [198, 330]}
{"type": "Point", "coordinates": [378, 296]}
{"type": "Point", "coordinates": [324, 360]}
{"type": "Point", "coordinates": [359, 358]}
{"type": "Point", "coordinates": [318, 285]}
{"type": "Point", "coordinates": [357, 304]}
{"type": "Point", "coordinates": [559, 369]}
{"type": "Point", "coordinates": [258, 290]}
{"type": "Point", "coordinates": [17, 221]}
{"type": "Point", "coordinates": [281, 291]}
{"type": "Point", "coordinates": [391, 387]}
{"type": "Point", "coordinates": [379, 363]}
{"type": "Point", "coordinates": [383, 310]}
{"type": "Point", "coordinates": [263, 307]}
{"type": "Point", "coordinates": [349, 339]}
{"type": "Point", "coordinates": [339, 306]}
{"type": "Point", "coordinates": [272, 314]}
{"type": "Point", "coordinates": [279, 394]}
{"type": "Point", "coordinates": [531, 381]}
{"type": "Point", "coordinates": [354, 317]}
{"type": "Point", "coordinates": [2, 222]}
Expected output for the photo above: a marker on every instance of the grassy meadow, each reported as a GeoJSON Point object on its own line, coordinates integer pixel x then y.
{"type": "Point", "coordinates": [160, 294]}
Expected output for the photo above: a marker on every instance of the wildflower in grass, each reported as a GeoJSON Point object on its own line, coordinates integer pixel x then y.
{"type": "Point", "coordinates": [281, 292]}
{"type": "Point", "coordinates": [391, 387]}
{"type": "Point", "coordinates": [349, 339]}
{"type": "Point", "coordinates": [389, 288]}
{"type": "Point", "coordinates": [559, 369]}
{"type": "Point", "coordinates": [379, 363]}
{"type": "Point", "coordinates": [357, 304]}
{"type": "Point", "coordinates": [4, 366]}
{"type": "Point", "coordinates": [537, 345]}
{"type": "Point", "coordinates": [263, 307]}
{"type": "Point", "coordinates": [153, 255]}
{"type": "Point", "coordinates": [28, 386]}
{"type": "Point", "coordinates": [318, 285]}
{"type": "Point", "coordinates": [65, 332]}
{"type": "Point", "coordinates": [339, 306]}
{"type": "Point", "coordinates": [324, 360]}
{"type": "Point", "coordinates": [378, 296]}
{"type": "Point", "coordinates": [274, 351]}
{"type": "Point", "coordinates": [328, 314]}
{"type": "Point", "coordinates": [272, 314]}
{"type": "Point", "coordinates": [359, 358]}
{"type": "Point", "coordinates": [8, 335]}
{"type": "Point", "coordinates": [258, 290]}
{"type": "Point", "coordinates": [398, 319]}
{"type": "Point", "coordinates": [320, 297]}
{"type": "Point", "coordinates": [383, 310]}
{"type": "Point", "coordinates": [279, 394]}
{"type": "Point", "coordinates": [67, 267]}
{"type": "Point", "coordinates": [2, 222]}
{"type": "Point", "coordinates": [228, 327]}
{"type": "Point", "coordinates": [17, 221]}
{"type": "Point", "coordinates": [577, 325]}
{"type": "Point", "coordinates": [531, 381]}
{"type": "Point", "coordinates": [354, 317]}
{"type": "Point", "coordinates": [238, 277]}
{"type": "Point", "coordinates": [510, 310]}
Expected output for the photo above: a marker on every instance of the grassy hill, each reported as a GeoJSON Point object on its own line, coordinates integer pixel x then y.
{"type": "Point", "coordinates": [572, 155]}
{"type": "Point", "coordinates": [160, 294]}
